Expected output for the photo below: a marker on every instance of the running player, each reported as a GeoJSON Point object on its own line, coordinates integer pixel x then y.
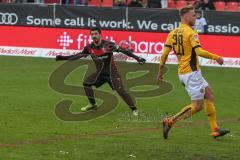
{"type": "Point", "coordinates": [185, 44]}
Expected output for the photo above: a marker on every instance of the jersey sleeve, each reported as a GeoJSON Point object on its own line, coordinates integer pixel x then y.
{"type": "Point", "coordinates": [166, 50]}
{"type": "Point", "coordinates": [79, 55]}
{"type": "Point", "coordinates": [203, 53]}
{"type": "Point", "coordinates": [164, 56]}
{"type": "Point", "coordinates": [168, 42]}
{"type": "Point", "coordinates": [194, 40]}
{"type": "Point", "coordinates": [85, 51]}
{"type": "Point", "coordinates": [127, 52]}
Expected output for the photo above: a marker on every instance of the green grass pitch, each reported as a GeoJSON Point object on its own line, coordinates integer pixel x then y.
{"type": "Point", "coordinates": [30, 130]}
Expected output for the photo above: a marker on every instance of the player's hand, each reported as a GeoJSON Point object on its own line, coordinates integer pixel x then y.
{"type": "Point", "coordinates": [220, 61]}
{"type": "Point", "coordinates": [141, 60]}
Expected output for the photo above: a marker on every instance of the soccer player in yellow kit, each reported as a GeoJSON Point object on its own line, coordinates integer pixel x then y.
{"type": "Point", "coordinates": [185, 44]}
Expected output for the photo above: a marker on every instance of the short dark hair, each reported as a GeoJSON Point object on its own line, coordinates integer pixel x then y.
{"type": "Point", "coordinates": [96, 29]}
{"type": "Point", "coordinates": [185, 10]}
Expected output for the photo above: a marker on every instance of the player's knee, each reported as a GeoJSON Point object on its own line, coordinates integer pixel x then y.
{"type": "Point", "coordinates": [209, 96]}
{"type": "Point", "coordinates": [198, 105]}
{"type": "Point", "coordinates": [199, 108]}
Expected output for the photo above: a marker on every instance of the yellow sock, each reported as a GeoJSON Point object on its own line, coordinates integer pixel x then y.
{"type": "Point", "coordinates": [185, 112]}
{"type": "Point", "coordinates": [211, 113]}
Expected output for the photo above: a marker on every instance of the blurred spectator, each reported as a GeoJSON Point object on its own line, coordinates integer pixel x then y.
{"type": "Point", "coordinates": [201, 23]}
{"type": "Point", "coordinates": [164, 3]}
{"type": "Point", "coordinates": [119, 3]}
{"type": "Point", "coordinates": [204, 5]}
{"type": "Point", "coordinates": [145, 3]}
{"type": "Point", "coordinates": [135, 3]}
{"type": "Point", "coordinates": [154, 4]}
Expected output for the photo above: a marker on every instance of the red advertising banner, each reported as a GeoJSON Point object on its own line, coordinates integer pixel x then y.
{"type": "Point", "coordinates": [76, 39]}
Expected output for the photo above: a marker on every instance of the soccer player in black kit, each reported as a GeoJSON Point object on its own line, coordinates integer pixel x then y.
{"type": "Point", "coordinates": [101, 52]}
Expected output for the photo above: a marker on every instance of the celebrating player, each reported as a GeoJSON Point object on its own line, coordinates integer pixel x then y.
{"type": "Point", "coordinates": [185, 43]}
{"type": "Point", "coordinates": [101, 51]}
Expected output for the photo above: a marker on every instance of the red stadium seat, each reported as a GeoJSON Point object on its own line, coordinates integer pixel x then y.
{"type": "Point", "coordinates": [181, 3]}
{"type": "Point", "coordinates": [95, 2]}
{"type": "Point", "coordinates": [219, 5]}
{"type": "Point", "coordinates": [107, 3]}
{"type": "Point", "coordinates": [191, 2]}
{"type": "Point", "coordinates": [171, 4]}
{"type": "Point", "coordinates": [232, 6]}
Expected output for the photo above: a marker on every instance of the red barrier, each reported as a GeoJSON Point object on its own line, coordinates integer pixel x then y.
{"type": "Point", "coordinates": [75, 39]}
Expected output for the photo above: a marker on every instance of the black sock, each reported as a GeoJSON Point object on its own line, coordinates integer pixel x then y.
{"type": "Point", "coordinates": [90, 94]}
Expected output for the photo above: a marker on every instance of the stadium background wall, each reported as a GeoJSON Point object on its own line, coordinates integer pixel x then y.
{"type": "Point", "coordinates": [53, 29]}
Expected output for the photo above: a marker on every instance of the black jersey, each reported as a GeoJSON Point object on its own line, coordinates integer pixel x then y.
{"type": "Point", "coordinates": [102, 56]}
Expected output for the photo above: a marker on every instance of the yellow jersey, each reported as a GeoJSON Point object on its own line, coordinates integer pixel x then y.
{"type": "Point", "coordinates": [184, 41]}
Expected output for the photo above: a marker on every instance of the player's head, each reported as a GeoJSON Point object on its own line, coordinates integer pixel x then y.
{"type": "Point", "coordinates": [95, 34]}
{"type": "Point", "coordinates": [188, 15]}
{"type": "Point", "coordinates": [198, 15]}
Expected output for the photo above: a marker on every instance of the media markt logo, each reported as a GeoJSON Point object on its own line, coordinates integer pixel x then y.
{"type": "Point", "coordinates": [65, 40]}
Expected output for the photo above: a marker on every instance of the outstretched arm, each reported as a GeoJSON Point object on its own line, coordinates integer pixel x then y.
{"type": "Point", "coordinates": [84, 53]}
{"type": "Point", "coordinates": [112, 47]}
{"type": "Point", "coordinates": [130, 54]}
{"type": "Point", "coordinates": [203, 53]}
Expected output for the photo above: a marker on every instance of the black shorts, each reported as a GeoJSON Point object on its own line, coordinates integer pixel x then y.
{"type": "Point", "coordinates": [98, 79]}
